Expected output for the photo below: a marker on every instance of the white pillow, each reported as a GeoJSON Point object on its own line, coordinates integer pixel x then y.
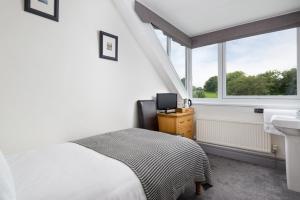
{"type": "Point", "coordinates": [7, 186]}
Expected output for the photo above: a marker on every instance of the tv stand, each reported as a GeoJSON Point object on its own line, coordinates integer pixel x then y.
{"type": "Point", "coordinates": [177, 123]}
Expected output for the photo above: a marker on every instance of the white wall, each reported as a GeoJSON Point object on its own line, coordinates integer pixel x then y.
{"type": "Point", "coordinates": [239, 114]}
{"type": "Point", "coordinates": [53, 85]}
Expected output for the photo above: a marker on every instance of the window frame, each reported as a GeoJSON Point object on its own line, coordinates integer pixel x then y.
{"type": "Point", "coordinates": [222, 92]}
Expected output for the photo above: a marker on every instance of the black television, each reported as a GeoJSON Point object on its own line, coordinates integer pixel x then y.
{"type": "Point", "coordinates": [166, 101]}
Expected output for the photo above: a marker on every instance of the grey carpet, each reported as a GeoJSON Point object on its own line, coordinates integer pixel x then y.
{"type": "Point", "coordinates": [235, 180]}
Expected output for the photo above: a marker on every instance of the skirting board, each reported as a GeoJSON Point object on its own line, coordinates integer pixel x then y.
{"type": "Point", "coordinates": [256, 158]}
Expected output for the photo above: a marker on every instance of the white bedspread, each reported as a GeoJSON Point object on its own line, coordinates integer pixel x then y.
{"type": "Point", "coordinates": [72, 172]}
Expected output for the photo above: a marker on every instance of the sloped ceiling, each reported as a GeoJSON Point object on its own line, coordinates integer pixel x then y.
{"type": "Point", "coordinates": [195, 17]}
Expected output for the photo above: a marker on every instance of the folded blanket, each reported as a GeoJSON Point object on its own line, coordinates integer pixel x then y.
{"type": "Point", "coordinates": [164, 163]}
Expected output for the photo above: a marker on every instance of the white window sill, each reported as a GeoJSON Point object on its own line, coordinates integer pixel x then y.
{"type": "Point", "coordinates": [284, 104]}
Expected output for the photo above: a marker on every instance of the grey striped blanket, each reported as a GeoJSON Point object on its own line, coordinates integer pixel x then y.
{"type": "Point", "coordinates": [164, 164]}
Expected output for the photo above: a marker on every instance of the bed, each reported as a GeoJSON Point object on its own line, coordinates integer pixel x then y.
{"type": "Point", "coordinates": [113, 166]}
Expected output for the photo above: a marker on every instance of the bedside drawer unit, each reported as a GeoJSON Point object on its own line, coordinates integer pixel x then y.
{"type": "Point", "coordinates": [176, 123]}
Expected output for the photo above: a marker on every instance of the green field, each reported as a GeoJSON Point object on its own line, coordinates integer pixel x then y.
{"type": "Point", "coordinates": [211, 95]}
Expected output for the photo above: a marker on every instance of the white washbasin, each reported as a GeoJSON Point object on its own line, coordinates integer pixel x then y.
{"type": "Point", "coordinates": [288, 125]}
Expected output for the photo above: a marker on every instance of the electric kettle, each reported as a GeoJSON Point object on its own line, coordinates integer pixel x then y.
{"type": "Point", "coordinates": [187, 103]}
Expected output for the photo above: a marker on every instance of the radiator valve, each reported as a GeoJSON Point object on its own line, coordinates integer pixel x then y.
{"type": "Point", "coordinates": [274, 148]}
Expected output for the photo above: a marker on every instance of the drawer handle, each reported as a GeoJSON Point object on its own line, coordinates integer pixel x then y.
{"type": "Point", "coordinates": [181, 122]}
{"type": "Point", "coordinates": [189, 120]}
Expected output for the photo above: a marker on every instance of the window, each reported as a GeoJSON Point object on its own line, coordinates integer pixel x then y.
{"type": "Point", "coordinates": [162, 38]}
{"type": "Point", "coordinates": [177, 56]}
{"type": "Point", "coordinates": [205, 72]}
{"type": "Point", "coordinates": [262, 65]}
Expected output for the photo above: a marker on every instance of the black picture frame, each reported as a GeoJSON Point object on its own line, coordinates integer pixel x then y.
{"type": "Point", "coordinates": [55, 17]}
{"type": "Point", "coordinates": [102, 33]}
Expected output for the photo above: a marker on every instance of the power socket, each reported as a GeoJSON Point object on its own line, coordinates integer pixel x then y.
{"type": "Point", "coordinates": [274, 149]}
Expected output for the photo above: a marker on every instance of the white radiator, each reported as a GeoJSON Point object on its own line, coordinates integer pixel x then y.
{"type": "Point", "coordinates": [244, 135]}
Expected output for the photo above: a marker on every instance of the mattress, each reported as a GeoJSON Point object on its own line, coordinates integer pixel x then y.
{"type": "Point", "coordinates": [72, 172]}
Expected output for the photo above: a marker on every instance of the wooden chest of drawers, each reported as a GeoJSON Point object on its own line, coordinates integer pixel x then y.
{"type": "Point", "coordinates": [177, 123]}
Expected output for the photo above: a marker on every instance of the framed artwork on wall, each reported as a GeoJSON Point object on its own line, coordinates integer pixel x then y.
{"type": "Point", "coordinates": [44, 8]}
{"type": "Point", "coordinates": [108, 46]}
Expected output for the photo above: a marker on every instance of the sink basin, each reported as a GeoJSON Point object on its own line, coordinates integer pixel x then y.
{"type": "Point", "coordinates": [288, 125]}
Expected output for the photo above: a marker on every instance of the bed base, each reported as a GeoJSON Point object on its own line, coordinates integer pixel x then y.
{"type": "Point", "coordinates": [199, 188]}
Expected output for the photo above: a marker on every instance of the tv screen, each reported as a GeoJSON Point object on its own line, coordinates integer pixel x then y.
{"type": "Point", "coordinates": [166, 101]}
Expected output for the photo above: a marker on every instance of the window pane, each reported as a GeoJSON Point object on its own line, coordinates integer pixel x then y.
{"type": "Point", "coordinates": [262, 65]}
{"type": "Point", "coordinates": [177, 56]}
{"type": "Point", "coordinates": [162, 38]}
{"type": "Point", "coordinates": [205, 72]}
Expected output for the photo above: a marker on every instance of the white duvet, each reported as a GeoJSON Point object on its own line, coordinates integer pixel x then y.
{"type": "Point", "coordinates": [72, 172]}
